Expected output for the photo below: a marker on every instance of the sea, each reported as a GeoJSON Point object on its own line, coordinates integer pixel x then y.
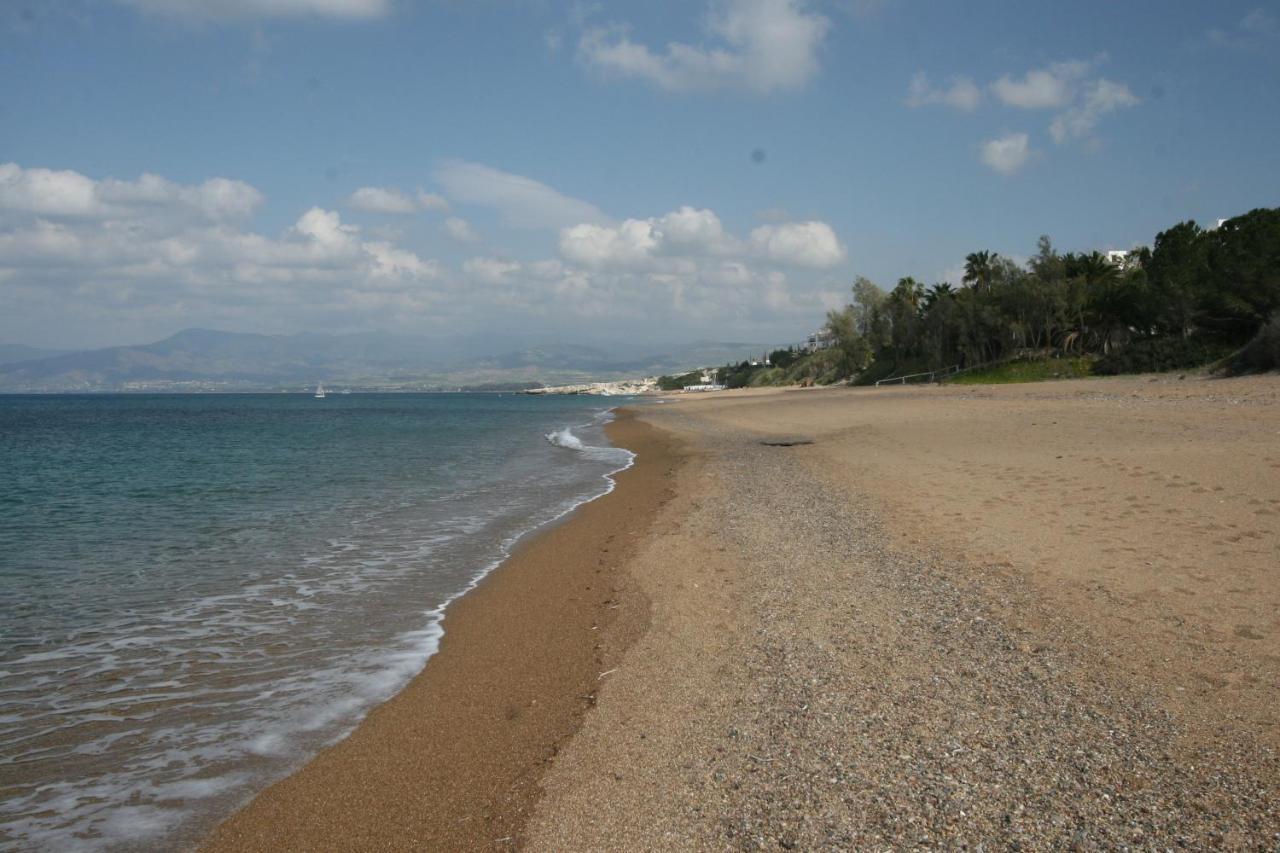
{"type": "Point", "coordinates": [199, 592]}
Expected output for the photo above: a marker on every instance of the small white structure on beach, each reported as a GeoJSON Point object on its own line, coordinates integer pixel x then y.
{"type": "Point", "coordinates": [705, 386]}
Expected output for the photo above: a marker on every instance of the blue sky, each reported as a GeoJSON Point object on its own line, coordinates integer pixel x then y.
{"type": "Point", "coordinates": [648, 172]}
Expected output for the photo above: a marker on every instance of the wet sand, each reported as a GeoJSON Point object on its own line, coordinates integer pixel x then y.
{"type": "Point", "coordinates": [452, 762]}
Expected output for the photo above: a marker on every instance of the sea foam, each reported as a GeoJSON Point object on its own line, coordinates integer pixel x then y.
{"type": "Point", "coordinates": [566, 439]}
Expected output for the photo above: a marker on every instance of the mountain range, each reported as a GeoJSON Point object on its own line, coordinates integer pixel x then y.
{"type": "Point", "coordinates": [208, 360]}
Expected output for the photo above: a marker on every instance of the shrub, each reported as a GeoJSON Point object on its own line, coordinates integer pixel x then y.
{"type": "Point", "coordinates": [1262, 353]}
{"type": "Point", "coordinates": [1154, 355]}
{"type": "Point", "coordinates": [675, 383]}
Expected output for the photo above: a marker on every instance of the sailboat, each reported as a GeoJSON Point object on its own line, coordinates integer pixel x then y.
{"type": "Point", "coordinates": [320, 391]}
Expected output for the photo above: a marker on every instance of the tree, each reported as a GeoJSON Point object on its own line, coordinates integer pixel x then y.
{"type": "Point", "coordinates": [978, 268]}
{"type": "Point", "coordinates": [941, 290]}
{"type": "Point", "coordinates": [1178, 273]}
{"type": "Point", "coordinates": [855, 352]}
{"type": "Point", "coordinates": [1243, 262]}
{"type": "Point", "coordinates": [868, 312]}
{"type": "Point", "coordinates": [783, 358]}
{"type": "Point", "coordinates": [903, 310]}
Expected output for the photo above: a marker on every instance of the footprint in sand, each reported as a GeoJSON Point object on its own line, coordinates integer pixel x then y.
{"type": "Point", "coordinates": [1247, 632]}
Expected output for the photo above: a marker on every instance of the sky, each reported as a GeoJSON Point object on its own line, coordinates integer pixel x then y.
{"type": "Point", "coordinates": [538, 171]}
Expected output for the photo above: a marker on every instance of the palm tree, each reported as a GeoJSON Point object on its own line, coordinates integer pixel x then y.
{"type": "Point", "coordinates": [910, 292]}
{"type": "Point", "coordinates": [978, 267]}
{"type": "Point", "coordinates": [941, 290]}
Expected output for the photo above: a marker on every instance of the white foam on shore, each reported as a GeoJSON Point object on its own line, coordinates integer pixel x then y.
{"type": "Point", "coordinates": [565, 438]}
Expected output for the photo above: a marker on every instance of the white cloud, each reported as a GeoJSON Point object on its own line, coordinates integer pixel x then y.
{"type": "Point", "coordinates": [1068, 86]}
{"type": "Point", "coordinates": [763, 46]}
{"type": "Point", "coordinates": [678, 242]}
{"type": "Point", "coordinates": [389, 200]}
{"type": "Point", "coordinates": [490, 270]}
{"type": "Point", "coordinates": [808, 244]}
{"type": "Point", "coordinates": [61, 193]}
{"type": "Point", "coordinates": [460, 230]}
{"type": "Point", "coordinates": [1101, 97]}
{"type": "Point", "coordinates": [627, 244]}
{"type": "Point", "coordinates": [1258, 30]}
{"type": "Point", "coordinates": [696, 230]}
{"type": "Point", "coordinates": [110, 260]}
{"type": "Point", "coordinates": [1007, 154]}
{"type": "Point", "coordinates": [205, 10]}
{"type": "Point", "coordinates": [118, 249]}
{"type": "Point", "coordinates": [381, 200]}
{"type": "Point", "coordinates": [522, 202]}
{"type": "Point", "coordinates": [398, 265]}
{"type": "Point", "coordinates": [1043, 88]}
{"type": "Point", "coordinates": [962, 94]}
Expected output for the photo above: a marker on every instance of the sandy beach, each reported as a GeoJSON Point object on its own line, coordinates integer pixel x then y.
{"type": "Point", "coordinates": [1034, 617]}
{"type": "Point", "coordinates": [453, 761]}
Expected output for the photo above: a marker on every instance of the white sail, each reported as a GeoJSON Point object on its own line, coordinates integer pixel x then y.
{"type": "Point", "coordinates": [320, 391]}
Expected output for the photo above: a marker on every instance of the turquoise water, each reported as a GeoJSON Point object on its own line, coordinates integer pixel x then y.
{"type": "Point", "coordinates": [198, 592]}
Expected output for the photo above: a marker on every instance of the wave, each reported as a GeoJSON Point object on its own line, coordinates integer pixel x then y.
{"type": "Point", "coordinates": [565, 438]}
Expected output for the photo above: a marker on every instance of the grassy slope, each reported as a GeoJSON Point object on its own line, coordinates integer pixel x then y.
{"type": "Point", "coordinates": [1027, 371]}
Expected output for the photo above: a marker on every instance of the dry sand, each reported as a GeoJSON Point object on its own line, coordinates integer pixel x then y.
{"type": "Point", "coordinates": [1027, 617]}
{"type": "Point", "coordinates": [1024, 617]}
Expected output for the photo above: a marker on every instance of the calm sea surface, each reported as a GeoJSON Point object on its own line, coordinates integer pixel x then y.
{"type": "Point", "coordinates": [198, 592]}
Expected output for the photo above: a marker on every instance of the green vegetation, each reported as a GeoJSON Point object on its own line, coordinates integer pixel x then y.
{"type": "Point", "coordinates": [1261, 353]}
{"type": "Point", "coordinates": [675, 383]}
{"type": "Point", "coordinates": [1197, 297]}
{"type": "Point", "coordinates": [1027, 370]}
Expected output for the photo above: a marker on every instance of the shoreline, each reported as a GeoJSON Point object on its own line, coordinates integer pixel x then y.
{"type": "Point", "coordinates": [453, 760]}
{"type": "Point", "coordinates": [1039, 616]}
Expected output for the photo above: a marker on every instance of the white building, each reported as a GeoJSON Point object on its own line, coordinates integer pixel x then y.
{"type": "Point", "coordinates": [1122, 259]}
{"type": "Point", "coordinates": [821, 339]}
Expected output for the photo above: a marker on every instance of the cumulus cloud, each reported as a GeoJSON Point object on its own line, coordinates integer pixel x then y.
{"type": "Point", "coordinates": [205, 10]}
{"type": "Point", "coordinates": [392, 201]}
{"type": "Point", "coordinates": [1101, 97]}
{"type": "Point", "coordinates": [685, 239]}
{"type": "Point", "coordinates": [133, 259]}
{"type": "Point", "coordinates": [806, 244]}
{"type": "Point", "coordinates": [150, 246]}
{"type": "Point", "coordinates": [521, 202]}
{"type": "Point", "coordinates": [686, 232]}
{"type": "Point", "coordinates": [962, 93]}
{"type": "Point", "coordinates": [460, 230]}
{"type": "Point", "coordinates": [1042, 88]}
{"type": "Point", "coordinates": [628, 244]}
{"type": "Point", "coordinates": [1070, 86]}
{"type": "Point", "coordinates": [1007, 154]}
{"type": "Point", "coordinates": [64, 193]}
{"type": "Point", "coordinates": [762, 46]}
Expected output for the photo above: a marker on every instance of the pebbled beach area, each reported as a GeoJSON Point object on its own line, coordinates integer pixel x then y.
{"type": "Point", "coordinates": [1029, 617]}
{"type": "Point", "coordinates": [1026, 617]}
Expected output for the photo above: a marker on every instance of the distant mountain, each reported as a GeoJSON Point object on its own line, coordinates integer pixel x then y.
{"type": "Point", "coordinates": [204, 359]}
{"type": "Point", "coordinates": [14, 353]}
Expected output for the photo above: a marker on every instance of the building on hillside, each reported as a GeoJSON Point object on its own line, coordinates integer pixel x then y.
{"type": "Point", "coordinates": [1122, 259]}
{"type": "Point", "coordinates": [821, 339]}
